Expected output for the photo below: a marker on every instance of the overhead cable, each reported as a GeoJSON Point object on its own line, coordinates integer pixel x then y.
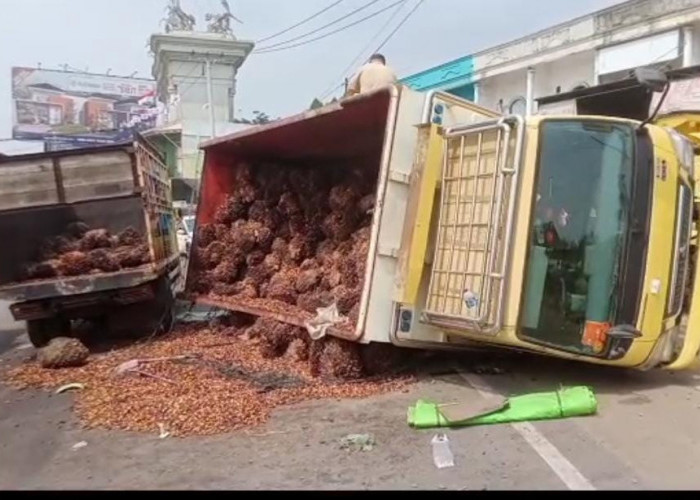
{"type": "Point", "coordinates": [301, 23]}
{"type": "Point", "coordinates": [313, 32]}
{"type": "Point", "coordinates": [347, 26]}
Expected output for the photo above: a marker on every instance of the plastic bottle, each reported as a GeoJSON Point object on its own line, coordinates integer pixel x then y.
{"type": "Point", "coordinates": [442, 454]}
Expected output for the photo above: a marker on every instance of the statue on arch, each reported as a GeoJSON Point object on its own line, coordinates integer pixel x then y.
{"type": "Point", "coordinates": [221, 23]}
{"type": "Point", "coordinates": [177, 19]}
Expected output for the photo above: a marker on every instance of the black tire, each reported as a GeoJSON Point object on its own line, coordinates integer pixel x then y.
{"type": "Point", "coordinates": [164, 306]}
{"type": "Point", "coordinates": [41, 331]}
{"type": "Point", "coordinates": [167, 322]}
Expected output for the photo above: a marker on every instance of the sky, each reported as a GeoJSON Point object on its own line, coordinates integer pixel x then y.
{"type": "Point", "coordinates": [97, 35]}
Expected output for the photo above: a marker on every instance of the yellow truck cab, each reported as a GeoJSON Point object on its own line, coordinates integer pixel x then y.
{"type": "Point", "coordinates": [568, 236]}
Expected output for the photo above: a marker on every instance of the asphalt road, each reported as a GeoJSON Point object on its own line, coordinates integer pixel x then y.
{"type": "Point", "coordinates": [8, 326]}
{"type": "Point", "coordinates": [645, 436]}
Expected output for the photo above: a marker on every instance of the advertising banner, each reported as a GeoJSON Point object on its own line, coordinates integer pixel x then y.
{"type": "Point", "coordinates": [70, 109]}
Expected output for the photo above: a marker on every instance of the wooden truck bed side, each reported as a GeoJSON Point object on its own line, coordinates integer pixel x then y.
{"type": "Point", "coordinates": [110, 187]}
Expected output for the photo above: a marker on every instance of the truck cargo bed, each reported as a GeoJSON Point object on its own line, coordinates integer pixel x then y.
{"type": "Point", "coordinates": [119, 192]}
{"type": "Point", "coordinates": [330, 148]}
{"type": "Point", "coordinates": [279, 311]}
{"type": "Point", "coordinates": [73, 285]}
{"type": "Point", "coordinates": [28, 228]}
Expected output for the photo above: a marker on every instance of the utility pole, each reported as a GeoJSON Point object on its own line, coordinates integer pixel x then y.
{"type": "Point", "coordinates": [530, 92]}
{"type": "Point", "coordinates": [210, 98]}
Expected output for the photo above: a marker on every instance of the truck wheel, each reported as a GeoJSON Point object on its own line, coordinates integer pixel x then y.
{"type": "Point", "coordinates": [166, 323]}
{"type": "Point", "coordinates": [165, 302]}
{"type": "Point", "coordinates": [41, 331]}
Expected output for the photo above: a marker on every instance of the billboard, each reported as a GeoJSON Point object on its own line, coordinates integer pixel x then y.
{"type": "Point", "coordinates": [70, 109]}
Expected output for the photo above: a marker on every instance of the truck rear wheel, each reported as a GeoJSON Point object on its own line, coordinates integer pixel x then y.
{"type": "Point", "coordinates": [41, 331]}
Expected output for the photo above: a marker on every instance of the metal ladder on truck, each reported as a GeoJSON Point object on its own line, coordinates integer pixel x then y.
{"type": "Point", "coordinates": [478, 188]}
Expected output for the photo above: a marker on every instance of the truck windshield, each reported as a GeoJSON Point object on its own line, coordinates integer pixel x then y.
{"type": "Point", "coordinates": [580, 220]}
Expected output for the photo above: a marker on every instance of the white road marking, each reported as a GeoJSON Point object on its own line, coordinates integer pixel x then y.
{"type": "Point", "coordinates": [560, 465]}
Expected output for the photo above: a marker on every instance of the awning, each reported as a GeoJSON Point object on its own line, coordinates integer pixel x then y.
{"type": "Point", "coordinates": [175, 128]}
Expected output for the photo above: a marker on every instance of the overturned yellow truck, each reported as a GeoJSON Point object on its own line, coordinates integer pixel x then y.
{"type": "Point", "coordinates": [569, 236]}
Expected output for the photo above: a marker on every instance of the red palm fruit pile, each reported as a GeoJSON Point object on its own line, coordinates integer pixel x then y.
{"type": "Point", "coordinates": [292, 235]}
{"type": "Point", "coordinates": [81, 250]}
{"type": "Point", "coordinates": [328, 358]}
{"type": "Point", "coordinates": [204, 397]}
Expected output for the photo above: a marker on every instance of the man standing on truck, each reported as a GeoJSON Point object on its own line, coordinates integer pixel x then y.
{"type": "Point", "coordinates": [372, 76]}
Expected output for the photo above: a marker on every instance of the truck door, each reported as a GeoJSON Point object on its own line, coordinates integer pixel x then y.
{"type": "Point", "coordinates": [476, 206]}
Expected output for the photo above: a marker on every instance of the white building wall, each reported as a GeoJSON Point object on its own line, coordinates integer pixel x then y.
{"type": "Point", "coordinates": [496, 93]}
{"type": "Point", "coordinates": [181, 60]}
{"type": "Point", "coordinates": [191, 81]}
{"type": "Point", "coordinates": [16, 147]}
{"type": "Point", "coordinates": [499, 91]}
{"type": "Point", "coordinates": [696, 44]}
{"type": "Point", "coordinates": [564, 56]}
{"type": "Point", "coordinates": [566, 73]}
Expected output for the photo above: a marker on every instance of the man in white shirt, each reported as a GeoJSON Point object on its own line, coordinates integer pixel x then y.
{"type": "Point", "coordinates": [372, 76]}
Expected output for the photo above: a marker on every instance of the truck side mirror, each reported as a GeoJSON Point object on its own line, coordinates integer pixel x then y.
{"type": "Point", "coordinates": [656, 81]}
{"type": "Point", "coordinates": [651, 78]}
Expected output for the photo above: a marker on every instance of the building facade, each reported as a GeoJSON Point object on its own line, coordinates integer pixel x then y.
{"type": "Point", "coordinates": [599, 48]}
{"type": "Point", "coordinates": [193, 69]}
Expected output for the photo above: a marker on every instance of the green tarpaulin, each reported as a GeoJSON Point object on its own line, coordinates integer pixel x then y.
{"type": "Point", "coordinates": [572, 402]}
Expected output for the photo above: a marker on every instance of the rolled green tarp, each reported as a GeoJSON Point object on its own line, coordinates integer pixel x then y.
{"type": "Point", "coordinates": [565, 403]}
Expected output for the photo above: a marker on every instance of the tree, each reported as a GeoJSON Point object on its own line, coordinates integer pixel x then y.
{"type": "Point", "coordinates": [259, 118]}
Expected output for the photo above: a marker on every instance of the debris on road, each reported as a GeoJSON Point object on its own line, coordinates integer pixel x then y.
{"type": "Point", "coordinates": [488, 370]}
{"type": "Point", "coordinates": [151, 375]}
{"type": "Point", "coordinates": [63, 352]}
{"type": "Point", "coordinates": [358, 442]}
{"type": "Point", "coordinates": [326, 318]}
{"type": "Point", "coordinates": [24, 346]}
{"type": "Point", "coordinates": [77, 446]}
{"type": "Point", "coordinates": [442, 454]}
{"type": "Point", "coordinates": [459, 412]}
{"type": "Point", "coordinates": [204, 401]}
{"type": "Point", "coordinates": [163, 434]}
{"type": "Point", "coordinates": [565, 403]}
{"type": "Point", "coordinates": [133, 365]}
{"type": "Point", "coordinates": [266, 381]}
{"type": "Point", "coordinates": [70, 387]}
{"type": "Point", "coordinates": [127, 366]}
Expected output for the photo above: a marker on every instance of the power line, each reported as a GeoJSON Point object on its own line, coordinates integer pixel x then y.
{"type": "Point", "coordinates": [362, 52]}
{"type": "Point", "coordinates": [337, 87]}
{"type": "Point", "coordinates": [195, 66]}
{"type": "Point", "coordinates": [347, 26]}
{"type": "Point", "coordinates": [405, 19]}
{"type": "Point", "coordinates": [386, 40]}
{"type": "Point", "coordinates": [342, 18]}
{"type": "Point", "coordinates": [314, 16]}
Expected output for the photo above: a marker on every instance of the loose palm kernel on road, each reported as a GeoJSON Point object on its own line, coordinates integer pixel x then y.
{"type": "Point", "coordinates": [191, 399]}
